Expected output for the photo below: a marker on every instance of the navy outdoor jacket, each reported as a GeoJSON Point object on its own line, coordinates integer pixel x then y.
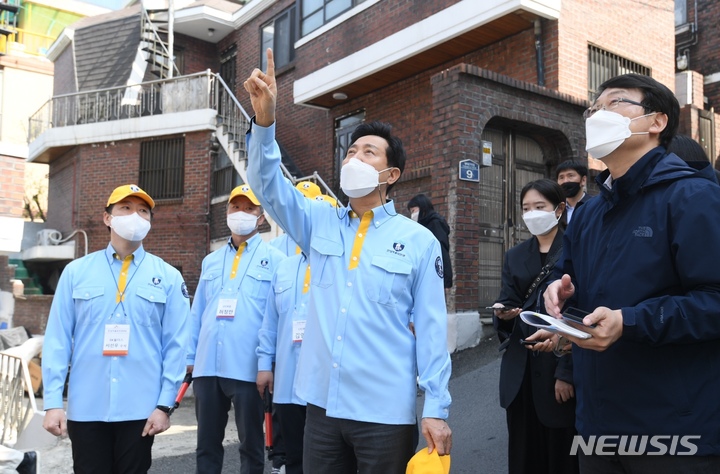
{"type": "Point", "coordinates": [651, 247]}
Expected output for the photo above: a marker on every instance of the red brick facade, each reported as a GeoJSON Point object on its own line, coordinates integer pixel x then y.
{"type": "Point", "coordinates": [439, 113]}
{"type": "Point", "coordinates": [83, 178]}
{"type": "Point", "coordinates": [12, 186]}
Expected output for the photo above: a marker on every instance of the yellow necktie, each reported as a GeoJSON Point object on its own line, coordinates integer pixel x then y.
{"type": "Point", "coordinates": [122, 281]}
{"type": "Point", "coordinates": [236, 262]}
{"type": "Point", "coordinates": [306, 283]}
{"type": "Point", "coordinates": [359, 239]}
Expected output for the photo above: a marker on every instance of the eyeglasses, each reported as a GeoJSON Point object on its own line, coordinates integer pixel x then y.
{"type": "Point", "coordinates": [612, 105]}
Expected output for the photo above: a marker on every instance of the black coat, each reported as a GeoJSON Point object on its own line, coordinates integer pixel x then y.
{"type": "Point", "coordinates": [441, 230]}
{"type": "Point", "coordinates": [521, 267]}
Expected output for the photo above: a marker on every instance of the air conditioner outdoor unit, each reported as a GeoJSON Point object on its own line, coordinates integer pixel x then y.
{"type": "Point", "coordinates": [48, 237]}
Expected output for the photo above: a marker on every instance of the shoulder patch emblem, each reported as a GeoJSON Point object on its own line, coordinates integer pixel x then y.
{"type": "Point", "coordinates": [184, 290]}
{"type": "Point", "coordinates": [439, 267]}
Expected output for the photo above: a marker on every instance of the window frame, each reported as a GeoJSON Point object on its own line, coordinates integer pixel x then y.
{"type": "Point", "coordinates": [161, 169]}
{"type": "Point", "coordinates": [291, 14]}
{"type": "Point", "coordinates": [612, 65]}
{"type": "Point", "coordinates": [302, 17]}
{"type": "Point", "coordinates": [681, 8]}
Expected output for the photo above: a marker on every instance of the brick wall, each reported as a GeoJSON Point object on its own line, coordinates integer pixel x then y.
{"type": "Point", "coordinates": [704, 54]}
{"type": "Point", "coordinates": [198, 55]}
{"type": "Point", "coordinates": [82, 180]}
{"type": "Point", "coordinates": [439, 114]}
{"type": "Point", "coordinates": [31, 312]}
{"type": "Point", "coordinates": [637, 31]}
{"type": "Point", "coordinates": [12, 186]}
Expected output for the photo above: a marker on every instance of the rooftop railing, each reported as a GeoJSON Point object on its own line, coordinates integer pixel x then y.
{"type": "Point", "coordinates": [201, 90]}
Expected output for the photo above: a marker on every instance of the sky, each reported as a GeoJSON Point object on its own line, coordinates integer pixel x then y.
{"type": "Point", "coordinates": [111, 4]}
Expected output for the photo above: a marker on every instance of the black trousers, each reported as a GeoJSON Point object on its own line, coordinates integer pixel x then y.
{"type": "Point", "coordinates": [277, 454]}
{"type": "Point", "coordinates": [213, 396]}
{"type": "Point", "coordinates": [292, 425]}
{"type": "Point", "coordinates": [340, 446]}
{"type": "Point", "coordinates": [532, 446]}
{"type": "Point", "coordinates": [110, 448]}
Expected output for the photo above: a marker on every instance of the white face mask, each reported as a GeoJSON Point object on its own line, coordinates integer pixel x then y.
{"type": "Point", "coordinates": [358, 179]}
{"type": "Point", "coordinates": [415, 215]}
{"type": "Point", "coordinates": [132, 227]}
{"type": "Point", "coordinates": [605, 131]}
{"type": "Point", "coordinates": [242, 223]}
{"type": "Point", "coordinates": [540, 222]}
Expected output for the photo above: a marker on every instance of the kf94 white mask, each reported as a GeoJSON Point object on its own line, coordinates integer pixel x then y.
{"type": "Point", "coordinates": [540, 222]}
{"type": "Point", "coordinates": [131, 227]}
{"type": "Point", "coordinates": [605, 131]}
{"type": "Point", "coordinates": [358, 179]}
{"type": "Point", "coordinates": [242, 223]}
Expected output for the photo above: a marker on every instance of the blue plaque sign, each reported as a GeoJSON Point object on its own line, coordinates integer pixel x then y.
{"type": "Point", "coordinates": [469, 171]}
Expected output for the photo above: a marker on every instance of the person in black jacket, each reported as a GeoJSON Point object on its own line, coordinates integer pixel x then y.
{"type": "Point", "coordinates": [572, 177]}
{"type": "Point", "coordinates": [536, 389]}
{"type": "Point", "coordinates": [423, 212]}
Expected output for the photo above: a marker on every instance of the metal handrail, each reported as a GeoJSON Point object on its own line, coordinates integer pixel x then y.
{"type": "Point", "coordinates": [121, 102]}
{"type": "Point", "coordinates": [147, 21]}
{"type": "Point", "coordinates": [156, 97]}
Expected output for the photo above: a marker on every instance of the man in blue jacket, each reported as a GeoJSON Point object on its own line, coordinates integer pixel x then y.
{"type": "Point", "coordinates": [641, 258]}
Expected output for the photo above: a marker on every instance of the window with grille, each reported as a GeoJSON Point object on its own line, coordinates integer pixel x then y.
{"type": "Point", "coordinates": [603, 65]}
{"type": "Point", "coordinates": [224, 177]}
{"type": "Point", "coordinates": [279, 34]}
{"type": "Point", "coordinates": [315, 13]}
{"type": "Point", "coordinates": [162, 168]}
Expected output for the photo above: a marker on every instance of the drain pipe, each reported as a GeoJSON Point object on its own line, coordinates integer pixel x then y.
{"type": "Point", "coordinates": [539, 53]}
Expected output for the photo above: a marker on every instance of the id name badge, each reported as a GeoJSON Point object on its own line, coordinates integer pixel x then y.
{"type": "Point", "coordinates": [226, 308]}
{"type": "Point", "coordinates": [117, 340]}
{"type": "Point", "coordinates": [298, 330]}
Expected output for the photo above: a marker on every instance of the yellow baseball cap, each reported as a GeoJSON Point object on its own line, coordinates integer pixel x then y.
{"type": "Point", "coordinates": [424, 463]}
{"type": "Point", "coordinates": [309, 189]}
{"type": "Point", "coordinates": [121, 192]}
{"type": "Point", "coordinates": [326, 198]}
{"type": "Point", "coordinates": [244, 190]}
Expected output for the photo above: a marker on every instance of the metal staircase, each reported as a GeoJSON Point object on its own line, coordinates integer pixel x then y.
{"type": "Point", "coordinates": [154, 24]}
{"type": "Point", "coordinates": [232, 123]}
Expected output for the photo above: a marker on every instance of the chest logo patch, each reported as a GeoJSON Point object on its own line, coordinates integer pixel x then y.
{"type": "Point", "coordinates": [643, 231]}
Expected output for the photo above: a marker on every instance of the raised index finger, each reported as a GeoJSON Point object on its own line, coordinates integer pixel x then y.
{"type": "Point", "coordinates": [270, 63]}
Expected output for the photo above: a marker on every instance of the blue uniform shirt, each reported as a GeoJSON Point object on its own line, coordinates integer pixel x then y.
{"type": "Point", "coordinates": [359, 360]}
{"type": "Point", "coordinates": [225, 347]}
{"type": "Point", "coordinates": [288, 303]}
{"type": "Point", "coordinates": [286, 245]}
{"type": "Point", "coordinates": [116, 388]}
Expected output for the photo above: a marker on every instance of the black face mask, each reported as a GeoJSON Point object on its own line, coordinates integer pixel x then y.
{"type": "Point", "coordinates": [570, 188]}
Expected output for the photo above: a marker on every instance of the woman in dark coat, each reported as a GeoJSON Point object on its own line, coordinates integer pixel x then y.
{"type": "Point", "coordinates": [536, 389]}
{"type": "Point", "coordinates": [423, 212]}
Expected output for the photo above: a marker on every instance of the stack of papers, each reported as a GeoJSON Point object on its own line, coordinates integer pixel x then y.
{"type": "Point", "coordinates": [543, 321]}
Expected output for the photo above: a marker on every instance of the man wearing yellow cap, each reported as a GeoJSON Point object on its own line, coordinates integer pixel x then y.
{"type": "Point", "coordinates": [119, 319]}
{"type": "Point", "coordinates": [225, 319]}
